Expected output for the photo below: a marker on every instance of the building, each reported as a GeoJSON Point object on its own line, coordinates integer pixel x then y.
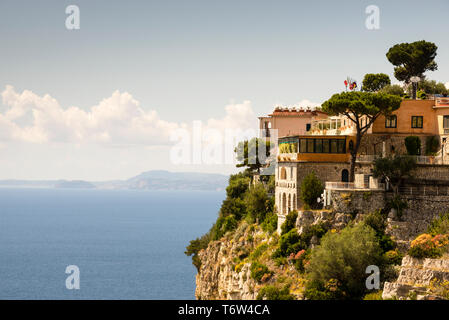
{"type": "Point", "coordinates": [324, 148]}
{"type": "Point", "coordinates": [289, 121]}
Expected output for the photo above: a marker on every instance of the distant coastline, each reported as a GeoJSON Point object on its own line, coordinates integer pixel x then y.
{"type": "Point", "coordinates": [149, 180]}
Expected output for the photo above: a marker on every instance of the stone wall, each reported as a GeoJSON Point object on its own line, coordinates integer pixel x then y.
{"type": "Point", "coordinates": [357, 201]}
{"type": "Point", "coordinates": [296, 172]}
{"type": "Point", "coordinates": [415, 219]}
{"type": "Point", "coordinates": [373, 143]}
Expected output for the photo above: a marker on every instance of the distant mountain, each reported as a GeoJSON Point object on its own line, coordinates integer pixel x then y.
{"type": "Point", "coordinates": [166, 180]}
{"type": "Point", "coordinates": [149, 180]}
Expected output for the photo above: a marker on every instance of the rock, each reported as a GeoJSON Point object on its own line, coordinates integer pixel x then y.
{"type": "Point", "coordinates": [415, 278]}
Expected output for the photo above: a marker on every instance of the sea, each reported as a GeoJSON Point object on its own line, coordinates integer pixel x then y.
{"type": "Point", "coordinates": [100, 244]}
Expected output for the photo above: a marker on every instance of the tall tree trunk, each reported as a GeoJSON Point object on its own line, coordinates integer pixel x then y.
{"type": "Point", "coordinates": [354, 157]}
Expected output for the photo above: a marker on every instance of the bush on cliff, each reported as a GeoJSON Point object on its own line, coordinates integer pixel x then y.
{"type": "Point", "coordinates": [258, 270]}
{"type": "Point", "coordinates": [439, 225]}
{"type": "Point", "coordinates": [223, 225]}
{"type": "Point", "coordinates": [311, 189]}
{"type": "Point", "coordinates": [426, 246]}
{"type": "Point", "coordinates": [270, 223]}
{"type": "Point", "coordinates": [337, 266]}
{"type": "Point", "coordinates": [271, 292]}
{"type": "Point", "coordinates": [258, 204]}
{"type": "Point", "coordinates": [238, 185]}
{"type": "Point", "coordinates": [377, 221]}
{"type": "Point", "coordinates": [290, 222]}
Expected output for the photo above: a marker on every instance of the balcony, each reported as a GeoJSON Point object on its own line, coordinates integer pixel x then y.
{"type": "Point", "coordinates": [433, 160]}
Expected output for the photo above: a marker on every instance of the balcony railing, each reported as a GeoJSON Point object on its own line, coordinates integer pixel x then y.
{"type": "Point", "coordinates": [350, 186]}
{"type": "Point", "coordinates": [419, 159]}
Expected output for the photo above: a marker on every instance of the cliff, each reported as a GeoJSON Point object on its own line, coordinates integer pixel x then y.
{"type": "Point", "coordinates": [421, 279]}
{"type": "Point", "coordinates": [225, 271]}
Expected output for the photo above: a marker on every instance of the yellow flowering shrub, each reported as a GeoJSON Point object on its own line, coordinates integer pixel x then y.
{"type": "Point", "coordinates": [426, 246]}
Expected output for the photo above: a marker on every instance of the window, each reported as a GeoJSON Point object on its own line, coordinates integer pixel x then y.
{"type": "Point", "coordinates": [417, 122]}
{"type": "Point", "coordinates": [446, 122]}
{"type": "Point", "coordinates": [283, 173]}
{"type": "Point", "coordinates": [303, 146]}
{"type": "Point", "coordinates": [326, 146]}
{"type": "Point", "coordinates": [391, 121]}
{"type": "Point", "coordinates": [319, 146]}
{"type": "Point", "coordinates": [341, 146]}
{"type": "Point", "coordinates": [310, 143]}
{"type": "Point", "coordinates": [308, 127]}
{"type": "Point", "coordinates": [334, 146]}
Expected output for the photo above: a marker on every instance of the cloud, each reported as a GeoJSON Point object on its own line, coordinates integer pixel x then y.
{"type": "Point", "coordinates": [447, 85]}
{"type": "Point", "coordinates": [116, 120]}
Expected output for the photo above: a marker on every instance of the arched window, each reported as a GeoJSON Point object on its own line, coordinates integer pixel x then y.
{"type": "Point", "coordinates": [284, 203]}
{"type": "Point", "coordinates": [289, 204]}
{"type": "Point", "coordinates": [283, 173]}
{"type": "Point", "coordinates": [294, 202]}
{"type": "Point", "coordinates": [345, 175]}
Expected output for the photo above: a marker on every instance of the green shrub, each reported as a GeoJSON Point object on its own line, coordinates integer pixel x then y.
{"type": "Point", "coordinates": [195, 246]}
{"type": "Point", "coordinates": [393, 257]}
{"type": "Point", "coordinates": [413, 145]}
{"type": "Point", "coordinates": [343, 258]}
{"type": "Point", "coordinates": [377, 295]}
{"type": "Point", "coordinates": [271, 292]}
{"type": "Point", "coordinates": [290, 222]}
{"type": "Point", "coordinates": [432, 145]}
{"type": "Point", "coordinates": [300, 260]}
{"type": "Point", "coordinates": [257, 203]}
{"type": "Point", "coordinates": [377, 221]}
{"type": "Point", "coordinates": [258, 251]}
{"type": "Point", "coordinates": [270, 223]}
{"type": "Point", "coordinates": [258, 270]}
{"type": "Point", "coordinates": [238, 185]}
{"type": "Point", "coordinates": [233, 206]}
{"type": "Point", "coordinates": [290, 243]}
{"type": "Point", "coordinates": [223, 225]}
{"type": "Point", "coordinates": [318, 230]}
{"type": "Point", "coordinates": [311, 189]}
{"type": "Point", "coordinates": [439, 225]}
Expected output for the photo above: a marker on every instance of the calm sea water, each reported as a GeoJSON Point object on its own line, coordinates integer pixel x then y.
{"type": "Point", "coordinates": [127, 244]}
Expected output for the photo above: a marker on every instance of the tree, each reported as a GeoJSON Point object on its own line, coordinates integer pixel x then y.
{"type": "Point", "coordinates": [248, 154]}
{"type": "Point", "coordinates": [374, 82]}
{"type": "Point", "coordinates": [358, 106]}
{"type": "Point", "coordinates": [257, 202]}
{"type": "Point", "coordinates": [394, 170]}
{"type": "Point", "coordinates": [311, 189]}
{"type": "Point", "coordinates": [394, 89]}
{"type": "Point", "coordinates": [432, 87]}
{"type": "Point", "coordinates": [338, 264]}
{"type": "Point", "coordinates": [412, 59]}
{"type": "Point", "coordinates": [413, 145]}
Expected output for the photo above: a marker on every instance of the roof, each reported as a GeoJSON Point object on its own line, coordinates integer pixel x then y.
{"type": "Point", "coordinates": [295, 112]}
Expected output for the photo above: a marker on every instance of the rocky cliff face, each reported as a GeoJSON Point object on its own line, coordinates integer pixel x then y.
{"type": "Point", "coordinates": [223, 276]}
{"type": "Point", "coordinates": [218, 277]}
{"type": "Point", "coordinates": [422, 279]}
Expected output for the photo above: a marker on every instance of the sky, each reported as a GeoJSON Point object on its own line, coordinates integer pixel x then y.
{"type": "Point", "coordinates": [103, 101]}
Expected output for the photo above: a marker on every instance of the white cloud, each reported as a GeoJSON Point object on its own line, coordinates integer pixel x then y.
{"type": "Point", "coordinates": [116, 120]}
